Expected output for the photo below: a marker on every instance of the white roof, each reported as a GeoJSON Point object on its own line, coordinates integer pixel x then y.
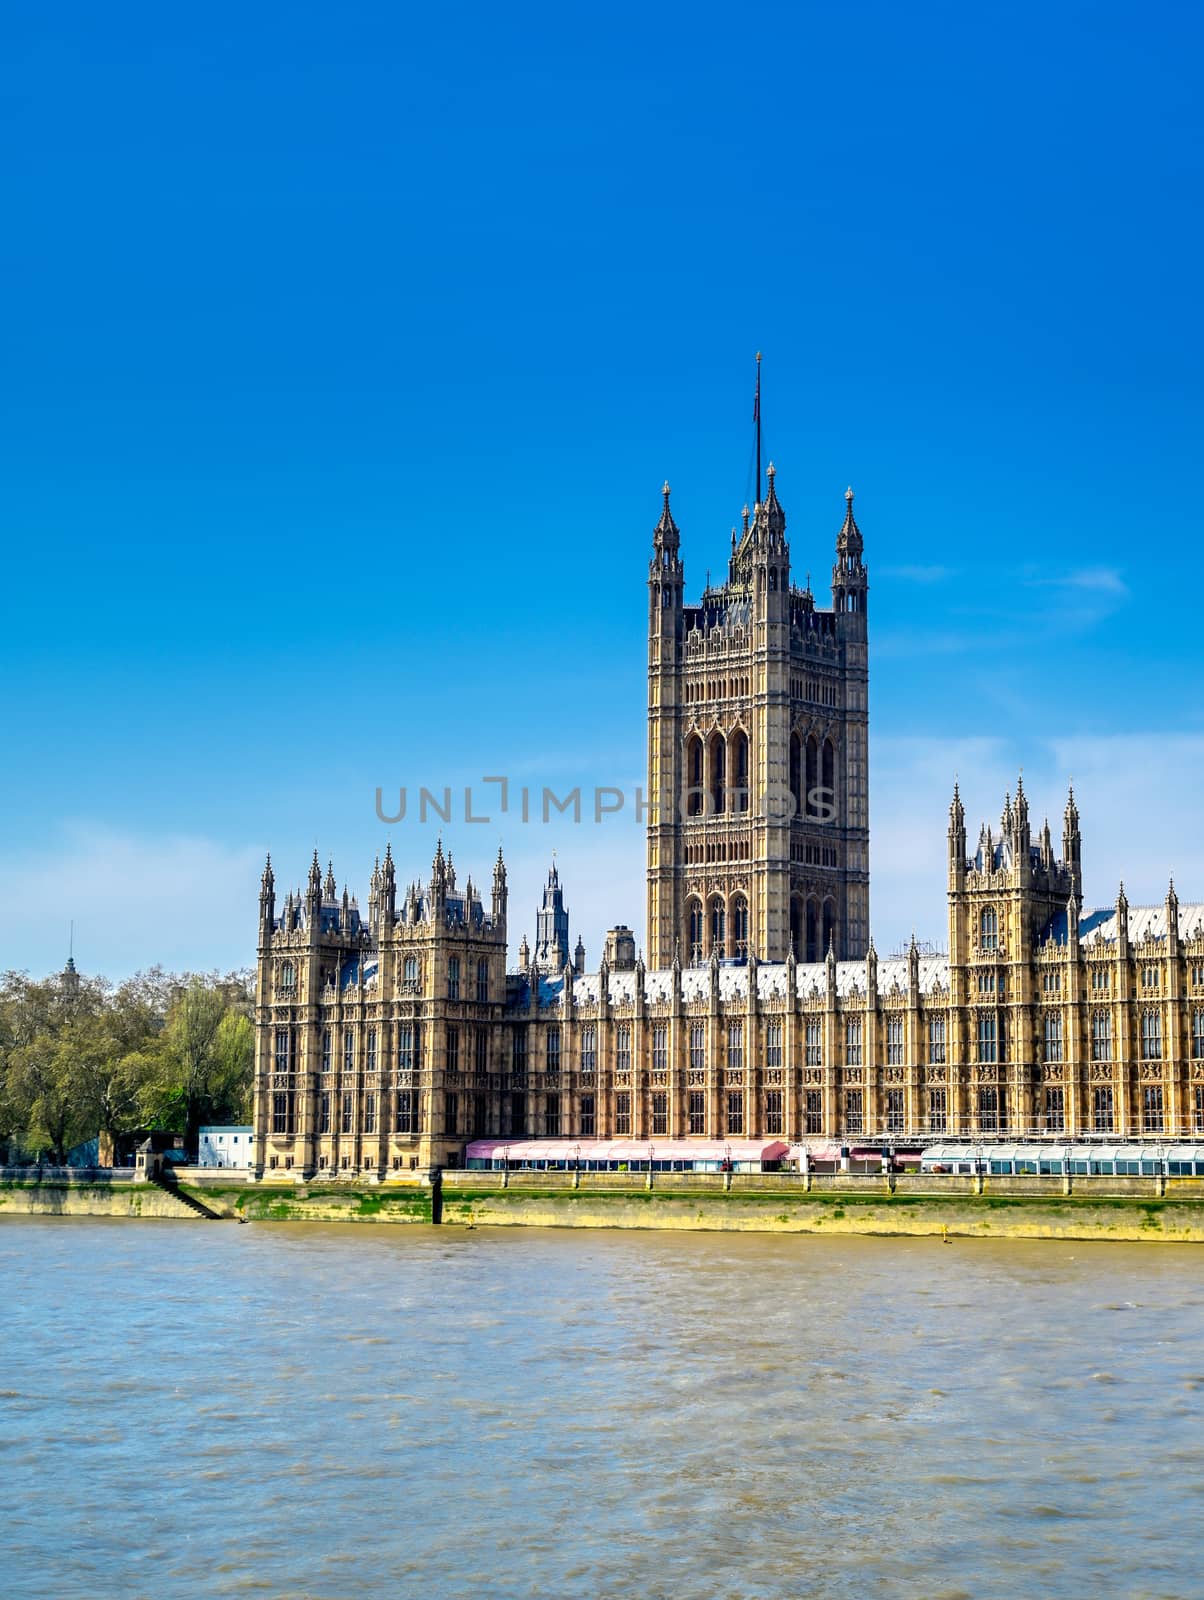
{"type": "Point", "coordinates": [810, 978]}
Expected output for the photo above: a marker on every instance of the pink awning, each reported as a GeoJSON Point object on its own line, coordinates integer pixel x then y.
{"type": "Point", "coordinates": [627, 1149]}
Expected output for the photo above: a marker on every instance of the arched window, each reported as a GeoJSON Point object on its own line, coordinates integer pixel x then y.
{"type": "Point", "coordinates": [738, 768]}
{"type": "Point", "coordinates": [718, 927]}
{"type": "Point", "coordinates": [740, 928]}
{"type": "Point", "coordinates": [812, 775]}
{"type": "Point", "coordinates": [988, 928]}
{"type": "Point", "coordinates": [796, 775]}
{"type": "Point", "coordinates": [694, 778]}
{"type": "Point", "coordinates": [829, 775]}
{"type": "Point", "coordinates": [697, 952]}
{"type": "Point", "coordinates": [717, 775]}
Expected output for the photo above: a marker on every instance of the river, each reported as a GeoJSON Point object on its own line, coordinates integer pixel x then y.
{"type": "Point", "coordinates": [336, 1412]}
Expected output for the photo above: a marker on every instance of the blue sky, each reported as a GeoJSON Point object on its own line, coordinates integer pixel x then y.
{"type": "Point", "coordinates": [346, 351]}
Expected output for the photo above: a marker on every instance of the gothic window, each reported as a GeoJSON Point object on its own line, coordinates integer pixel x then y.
{"type": "Point", "coordinates": [370, 1112]}
{"type": "Point", "coordinates": [894, 1111]}
{"type": "Point", "coordinates": [813, 1111]}
{"type": "Point", "coordinates": [1053, 1038]}
{"type": "Point", "coordinates": [695, 787]}
{"type": "Point", "coordinates": [324, 1112]}
{"type": "Point", "coordinates": [773, 1111]}
{"type": "Point", "coordinates": [1101, 1037]}
{"type": "Point", "coordinates": [740, 927]}
{"type": "Point", "coordinates": [551, 1116]}
{"type": "Point", "coordinates": [288, 975]}
{"type": "Point", "coordinates": [738, 767]}
{"type": "Point", "coordinates": [1099, 978]}
{"type": "Point", "coordinates": [481, 1051]}
{"type": "Point", "coordinates": [282, 1113]}
{"type": "Point", "coordinates": [894, 1040]}
{"type": "Point", "coordinates": [716, 753]}
{"type": "Point", "coordinates": [407, 1121]}
{"type": "Point", "coordinates": [698, 1116]}
{"type": "Point", "coordinates": [518, 1051]}
{"type": "Point", "coordinates": [1101, 1110]}
{"type": "Point", "coordinates": [348, 1110]}
{"type": "Point", "coordinates": [988, 1049]}
{"type": "Point", "coordinates": [811, 799]}
{"type": "Point", "coordinates": [623, 1046]}
{"type": "Point", "coordinates": [735, 1046]}
{"type": "Point", "coordinates": [1051, 982]}
{"type": "Point", "coordinates": [282, 1051]}
{"type": "Point", "coordinates": [698, 1046]}
{"type": "Point", "coordinates": [853, 1112]}
{"type": "Point", "coordinates": [988, 1110]}
{"type": "Point", "coordinates": [1055, 1110]}
{"type": "Point", "coordinates": [348, 1050]}
{"type": "Point", "coordinates": [371, 1049]}
{"type": "Point", "coordinates": [623, 1112]}
{"type": "Point", "coordinates": [409, 970]}
{"type": "Point", "coordinates": [589, 1048]}
{"type": "Point", "coordinates": [852, 1042]}
{"type": "Point", "coordinates": [986, 983]}
{"type": "Point", "coordinates": [482, 980]}
{"type": "Point", "coordinates": [813, 951]}
{"type": "Point", "coordinates": [988, 928]}
{"type": "Point", "coordinates": [405, 1047]}
{"type": "Point", "coordinates": [660, 1046]}
{"type": "Point", "coordinates": [814, 1042]}
{"type": "Point", "coordinates": [1151, 1108]}
{"type": "Point", "coordinates": [589, 1123]}
{"type": "Point", "coordinates": [829, 779]}
{"type": "Point", "coordinates": [718, 927]}
{"type": "Point", "coordinates": [1198, 1123]}
{"type": "Point", "coordinates": [660, 1113]}
{"type": "Point", "coordinates": [796, 775]}
{"type": "Point", "coordinates": [553, 1052]}
{"type": "Point", "coordinates": [453, 978]}
{"type": "Point", "coordinates": [773, 1044]}
{"type": "Point", "coordinates": [735, 1113]}
{"type": "Point", "coordinates": [325, 1049]}
{"type": "Point", "coordinates": [936, 1040]}
{"type": "Point", "coordinates": [453, 1050]}
{"type": "Point", "coordinates": [1197, 1034]}
{"type": "Point", "coordinates": [1149, 978]}
{"type": "Point", "coordinates": [937, 1112]}
{"type": "Point", "coordinates": [1151, 1036]}
{"type": "Point", "coordinates": [697, 953]}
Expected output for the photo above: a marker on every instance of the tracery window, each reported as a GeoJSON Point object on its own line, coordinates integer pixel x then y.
{"type": "Point", "coordinates": [1151, 1036]}
{"type": "Point", "coordinates": [989, 929]}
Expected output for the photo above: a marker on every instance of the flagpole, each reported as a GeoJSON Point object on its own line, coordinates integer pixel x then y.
{"type": "Point", "coordinates": [757, 420]}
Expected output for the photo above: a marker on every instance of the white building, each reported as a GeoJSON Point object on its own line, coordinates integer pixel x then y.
{"type": "Point", "coordinates": [225, 1147]}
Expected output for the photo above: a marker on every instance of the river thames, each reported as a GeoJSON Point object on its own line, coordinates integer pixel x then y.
{"type": "Point", "coordinates": [343, 1411]}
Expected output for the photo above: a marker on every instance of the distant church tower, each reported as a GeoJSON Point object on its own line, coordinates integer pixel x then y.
{"type": "Point", "coordinates": [552, 927]}
{"type": "Point", "coordinates": [757, 752]}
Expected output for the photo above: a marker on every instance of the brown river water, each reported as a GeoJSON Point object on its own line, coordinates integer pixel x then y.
{"type": "Point", "coordinates": [299, 1409]}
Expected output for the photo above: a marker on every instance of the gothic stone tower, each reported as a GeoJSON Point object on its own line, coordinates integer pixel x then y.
{"type": "Point", "coordinates": [758, 782]}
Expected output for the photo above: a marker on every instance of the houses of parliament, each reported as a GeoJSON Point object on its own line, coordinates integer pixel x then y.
{"type": "Point", "coordinates": [391, 1038]}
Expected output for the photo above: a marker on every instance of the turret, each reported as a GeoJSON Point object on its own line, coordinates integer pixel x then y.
{"type": "Point", "coordinates": [330, 891]}
{"type": "Point", "coordinates": [499, 891]}
{"type": "Point", "coordinates": [850, 583]}
{"type": "Point", "coordinates": [267, 902]}
{"type": "Point", "coordinates": [313, 899]}
{"type": "Point", "coordinates": [1172, 920]}
{"type": "Point", "coordinates": [957, 840]}
{"type": "Point", "coordinates": [1072, 843]}
{"type": "Point", "coordinates": [387, 894]}
{"type": "Point", "coordinates": [579, 956]}
{"type": "Point", "coordinates": [666, 575]}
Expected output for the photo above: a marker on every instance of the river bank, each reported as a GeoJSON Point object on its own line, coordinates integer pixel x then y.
{"type": "Point", "coordinates": [1149, 1210]}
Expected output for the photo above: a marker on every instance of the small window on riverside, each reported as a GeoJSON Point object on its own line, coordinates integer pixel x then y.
{"type": "Point", "coordinates": [325, 1049]}
{"type": "Point", "coordinates": [894, 1111]}
{"type": "Point", "coordinates": [1151, 1036]}
{"type": "Point", "coordinates": [482, 980]}
{"type": "Point", "coordinates": [405, 1047]}
{"type": "Point", "coordinates": [623, 1046]}
{"type": "Point", "coordinates": [324, 1112]}
{"type": "Point", "coordinates": [698, 1046]}
{"type": "Point", "coordinates": [853, 1113]}
{"type": "Point", "coordinates": [1151, 1109]}
{"type": "Point", "coordinates": [347, 1113]}
{"type": "Point", "coordinates": [989, 929]}
{"type": "Point", "coordinates": [288, 976]}
{"type": "Point", "coordinates": [553, 1053]}
{"type": "Point", "coordinates": [735, 1113]}
{"type": "Point", "coordinates": [481, 1049]}
{"type": "Point", "coordinates": [409, 971]}
{"type": "Point", "coordinates": [371, 1049]}
{"type": "Point", "coordinates": [1101, 1111]}
{"type": "Point", "coordinates": [660, 1046]}
{"type": "Point", "coordinates": [1055, 1110]}
{"type": "Point", "coordinates": [988, 1110]}
{"type": "Point", "coordinates": [551, 1116]}
{"type": "Point", "coordinates": [453, 978]}
{"type": "Point", "coordinates": [1101, 1037]}
{"type": "Point", "coordinates": [698, 1115]}
{"type": "Point", "coordinates": [1053, 1038]}
{"type": "Point", "coordinates": [815, 1042]}
{"type": "Point", "coordinates": [451, 1114]}
{"type": "Point", "coordinates": [735, 1046]}
{"type": "Point", "coordinates": [773, 1044]}
{"type": "Point", "coordinates": [660, 1114]}
{"type": "Point", "coordinates": [937, 1114]}
{"type": "Point", "coordinates": [407, 1122]}
{"type": "Point", "coordinates": [852, 1042]}
{"type": "Point", "coordinates": [518, 1051]}
{"type": "Point", "coordinates": [773, 1111]}
{"type": "Point", "coordinates": [589, 1121]}
{"type": "Point", "coordinates": [623, 1112]}
{"type": "Point", "coordinates": [370, 1112]}
{"type": "Point", "coordinates": [894, 1040]}
{"type": "Point", "coordinates": [453, 1049]}
{"type": "Point", "coordinates": [936, 1040]}
{"type": "Point", "coordinates": [589, 1048]}
{"type": "Point", "coordinates": [813, 1111]}
{"type": "Point", "coordinates": [348, 1050]}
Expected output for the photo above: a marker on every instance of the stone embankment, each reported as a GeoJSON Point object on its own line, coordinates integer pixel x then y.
{"type": "Point", "coordinates": [1155, 1209]}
